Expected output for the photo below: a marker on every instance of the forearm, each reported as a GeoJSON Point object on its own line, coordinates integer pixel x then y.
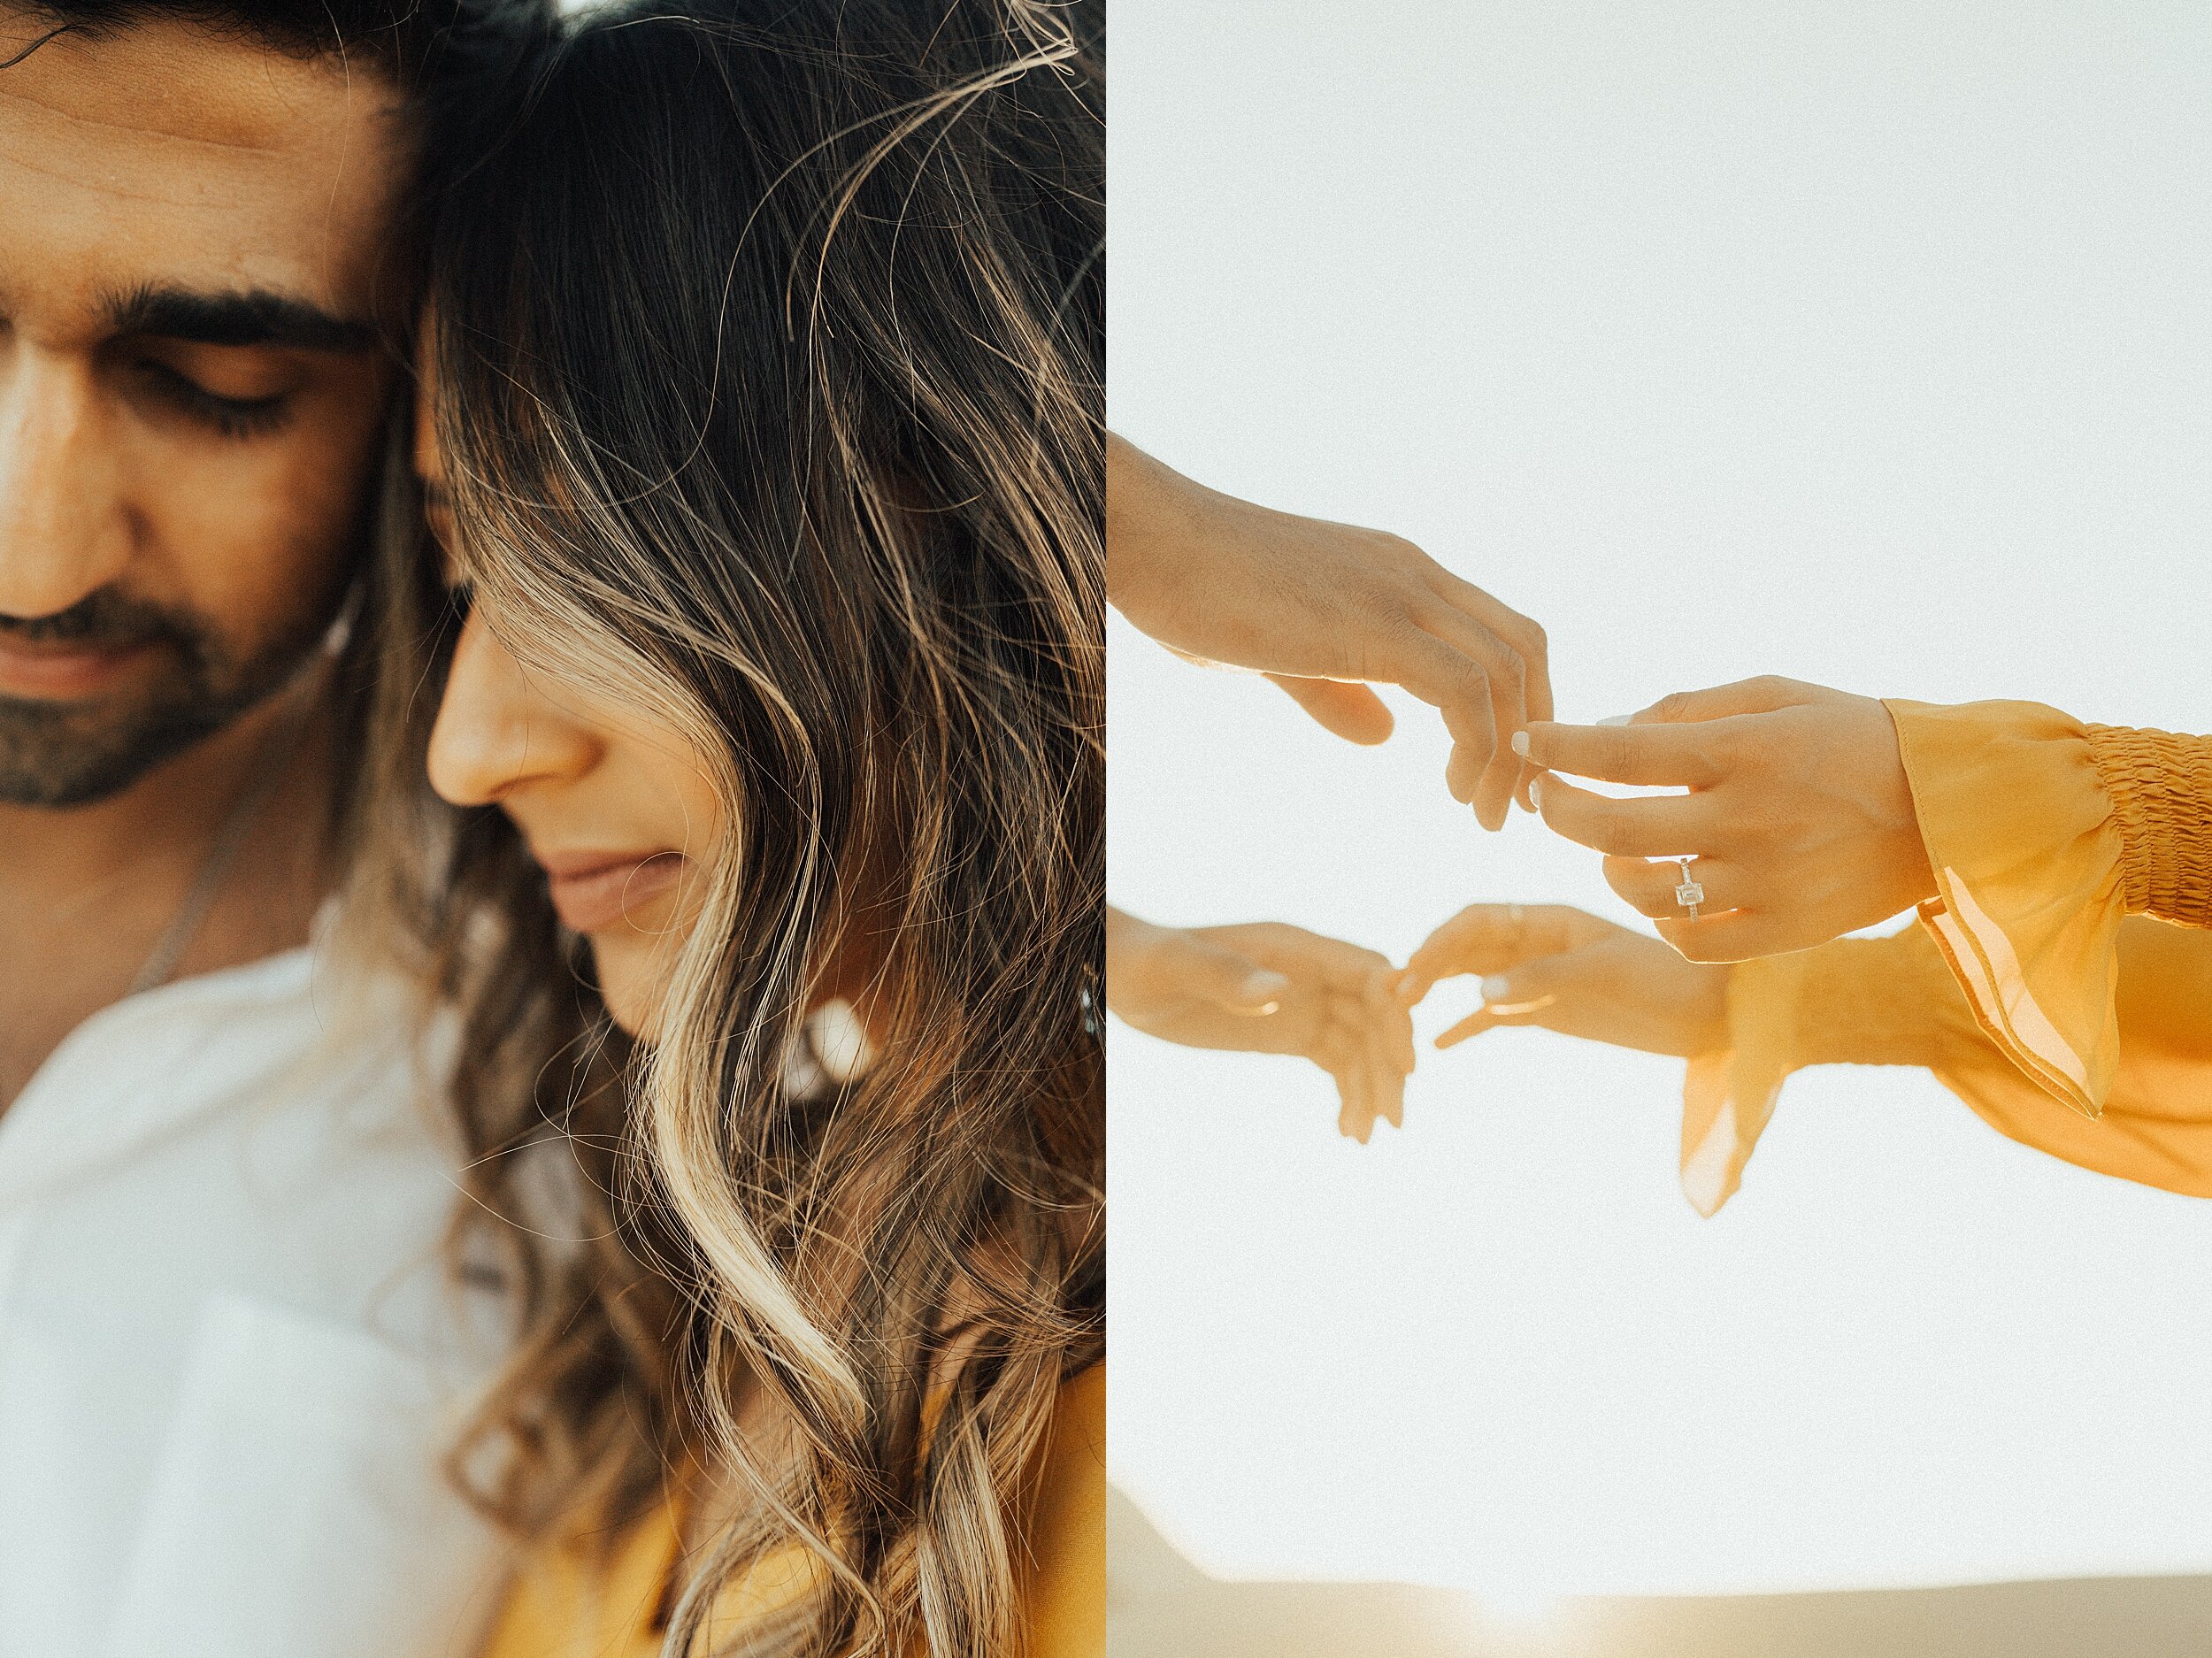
{"type": "Point", "coordinates": [1858, 1002]}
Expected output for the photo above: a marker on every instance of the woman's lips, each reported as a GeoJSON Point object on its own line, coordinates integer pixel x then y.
{"type": "Point", "coordinates": [592, 891]}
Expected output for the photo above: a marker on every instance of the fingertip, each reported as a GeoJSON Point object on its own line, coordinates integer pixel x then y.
{"type": "Point", "coordinates": [1460, 1033]}
{"type": "Point", "coordinates": [1519, 743]}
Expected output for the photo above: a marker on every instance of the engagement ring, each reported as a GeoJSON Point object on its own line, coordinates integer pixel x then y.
{"type": "Point", "coordinates": [1689, 895]}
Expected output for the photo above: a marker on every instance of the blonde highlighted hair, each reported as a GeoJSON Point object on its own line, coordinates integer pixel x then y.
{"type": "Point", "coordinates": [770, 389]}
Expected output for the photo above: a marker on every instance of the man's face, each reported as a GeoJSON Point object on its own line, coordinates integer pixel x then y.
{"type": "Point", "coordinates": [194, 242]}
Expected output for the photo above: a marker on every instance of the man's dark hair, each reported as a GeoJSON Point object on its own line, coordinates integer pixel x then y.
{"type": "Point", "coordinates": [453, 59]}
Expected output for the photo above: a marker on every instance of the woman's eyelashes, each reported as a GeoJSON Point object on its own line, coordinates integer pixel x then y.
{"type": "Point", "coordinates": [227, 417]}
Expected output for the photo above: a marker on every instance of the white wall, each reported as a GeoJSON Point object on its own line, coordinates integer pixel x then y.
{"type": "Point", "coordinates": [1869, 344]}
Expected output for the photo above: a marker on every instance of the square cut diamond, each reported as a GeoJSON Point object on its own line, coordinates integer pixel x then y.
{"type": "Point", "coordinates": [1689, 893]}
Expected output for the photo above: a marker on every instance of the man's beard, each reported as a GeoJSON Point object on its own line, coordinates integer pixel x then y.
{"type": "Point", "coordinates": [59, 753]}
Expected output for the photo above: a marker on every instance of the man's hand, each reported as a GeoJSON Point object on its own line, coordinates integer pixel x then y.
{"type": "Point", "coordinates": [1567, 970]}
{"type": "Point", "coordinates": [1798, 817]}
{"type": "Point", "coordinates": [1324, 610]}
{"type": "Point", "coordinates": [1268, 988]}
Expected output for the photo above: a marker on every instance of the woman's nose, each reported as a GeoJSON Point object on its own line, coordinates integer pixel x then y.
{"type": "Point", "coordinates": [496, 731]}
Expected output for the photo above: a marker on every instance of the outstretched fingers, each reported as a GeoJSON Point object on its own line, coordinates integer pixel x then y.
{"type": "Point", "coordinates": [1351, 711]}
{"type": "Point", "coordinates": [1485, 667]}
{"type": "Point", "coordinates": [1520, 996]}
{"type": "Point", "coordinates": [1650, 826]}
{"type": "Point", "coordinates": [1657, 755]}
{"type": "Point", "coordinates": [1484, 938]}
{"type": "Point", "coordinates": [1761, 696]}
{"type": "Point", "coordinates": [1505, 671]}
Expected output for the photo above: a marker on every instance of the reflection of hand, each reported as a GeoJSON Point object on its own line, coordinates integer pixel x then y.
{"type": "Point", "coordinates": [1566, 971]}
{"type": "Point", "coordinates": [1268, 988]}
{"type": "Point", "coordinates": [1325, 610]}
{"type": "Point", "coordinates": [1799, 815]}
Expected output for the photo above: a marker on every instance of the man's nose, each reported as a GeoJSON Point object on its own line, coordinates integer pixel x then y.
{"type": "Point", "coordinates": [64, 532]}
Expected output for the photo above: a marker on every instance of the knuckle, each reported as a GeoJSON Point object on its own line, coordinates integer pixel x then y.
{"type": "Point", "coordinates": [1399, 547]}
{"type": "Point", "coordinates": [1615, 750]}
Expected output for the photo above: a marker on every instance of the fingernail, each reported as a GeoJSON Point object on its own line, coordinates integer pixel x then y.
{"type": "Point", "coordinates": [1619, 719]}
{"type": "Point", "coordinates": [1264, 986]}
{"type": "Point", "coordinates": [1520, 744]}
{"type": "Point", "coordinates": [1536, 793]}
{"type": "Point", "coordinates": [1497, 988]}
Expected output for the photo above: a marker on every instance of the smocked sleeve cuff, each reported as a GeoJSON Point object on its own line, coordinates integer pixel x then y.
{"type": "Point", "coordinates": [2160, 785]}
{"type": "Point", "coordinates": [1864, 1001]}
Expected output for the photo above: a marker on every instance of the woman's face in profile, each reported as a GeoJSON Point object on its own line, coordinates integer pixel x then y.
{"type": "Point", "coordinates": [618, 810]}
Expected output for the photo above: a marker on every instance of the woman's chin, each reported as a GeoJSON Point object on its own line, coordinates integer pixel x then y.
{"type": "Point", "coordinates": [631, 977]}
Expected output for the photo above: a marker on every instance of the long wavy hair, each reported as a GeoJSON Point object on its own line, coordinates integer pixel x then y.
{"type": "Point", "coordinates": [771, 360]}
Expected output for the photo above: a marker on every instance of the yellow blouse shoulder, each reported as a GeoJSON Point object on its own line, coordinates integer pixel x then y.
{"type": "Point", "coordinates": [1066, 1591]}
{"type": "Point", "coordinates": [567, 1604]}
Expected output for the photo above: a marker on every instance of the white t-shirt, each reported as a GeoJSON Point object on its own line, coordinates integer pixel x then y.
{"type": "Point", "coordinates": [230, 1363]}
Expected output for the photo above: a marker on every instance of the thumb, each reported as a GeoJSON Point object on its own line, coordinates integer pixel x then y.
{"type": "Point", "coordinates": [1761, 696]}
{"type": "Point", "coordinates": [1233, 982]}
{"type": "Point", "coordinates": [1352, 711]}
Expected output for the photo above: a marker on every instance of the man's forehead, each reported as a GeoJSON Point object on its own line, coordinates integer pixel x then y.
{"type": "Point", "coordinates": [230, 165]}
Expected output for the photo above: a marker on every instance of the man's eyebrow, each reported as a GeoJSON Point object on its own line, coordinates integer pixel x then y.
{"type": "Point", "coordinates": [252, 316]}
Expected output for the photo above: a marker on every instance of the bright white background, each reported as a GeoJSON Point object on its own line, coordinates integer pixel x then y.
{"type": "Point", "coordinates": [1870, 344]}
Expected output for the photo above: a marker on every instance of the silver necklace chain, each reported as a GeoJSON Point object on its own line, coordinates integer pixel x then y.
{"type": "Point", "coordinates": [277, 745]}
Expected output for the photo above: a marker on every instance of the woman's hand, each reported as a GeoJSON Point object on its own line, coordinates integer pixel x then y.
{"type": "Point", "coordinates": [1567, 970]}
{"type": "Point", "coordinates": [1799, 815]}
{"type": "Point", "coordinates": [1325, 610]}
{"type": "Point", "coordinates": [1268, 988]}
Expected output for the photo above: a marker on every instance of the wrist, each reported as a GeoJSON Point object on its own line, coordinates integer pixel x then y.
{"type": "Point", "coordinates": [1912, 869]}
{"type": "Point", "coordinates": [1128, 939]}
{"type": "Point", "coordinates": [1134, 488]}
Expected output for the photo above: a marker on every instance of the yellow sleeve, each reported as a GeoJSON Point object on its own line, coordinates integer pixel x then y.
{"type": "Point", "coordinates": [2045, 833]}
{"type": "Point", "coordinates": [1897, 1002]}
{"type": "Point", "coordinates": [1065, 1593]}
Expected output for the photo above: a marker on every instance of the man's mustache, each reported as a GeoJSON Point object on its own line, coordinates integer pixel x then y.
{"type": "Point", "coordinates": [109, 620]}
